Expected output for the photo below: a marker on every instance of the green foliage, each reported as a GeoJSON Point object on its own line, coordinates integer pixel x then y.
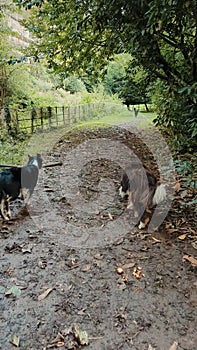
{"type": "Point", "coordinates": [114, 78]}
{"type": "Point", "coordinates": [187, 170]}
{"type": "Point", "coordinates": [126, 79]}
{"type": "Point", "coordinates": [12, 149]}
{"type": "Point", "coordinates": [176, 115]}
{"type": "Point", "coordinates": [81, 36]}
{"type": "Point", "coordinates": [73, 84]}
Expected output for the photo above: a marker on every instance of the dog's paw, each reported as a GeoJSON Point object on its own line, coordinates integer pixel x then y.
{"type": "Point", "coordinates": [141, 225]}
{"type": "Point", "coordinates": [6, 218]}
{"type": "Point", "coordinates": [130, 206]}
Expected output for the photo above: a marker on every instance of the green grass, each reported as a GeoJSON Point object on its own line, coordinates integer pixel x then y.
{"type": "Point", "coordinates": [116, 119]}
{"type": "Point", "coordinates": [16, 151]}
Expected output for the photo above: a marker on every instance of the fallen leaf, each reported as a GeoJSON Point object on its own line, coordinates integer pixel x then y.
{"type": "Point", "coordinates": [110, 216]}
{"type": "Point", "coordinates": [192, 260]}
{"type": "Point", "coordinates": [58, 338]}
{"type": "Point", "coordinates": [15, 340]}
{"type": "Point", "coordinates": [20, 284]}
{"type": "Point", "coordinates": [182, 237]}
{"type": "Point", "coordinates": [10, 272]}
{"type": "Point", "coordinates": [120, 241]}
{"type": "Point", "coordinates": [14, 290]}
{"type": "Point", "coordinates": [73, 264]}
{"type": "Point", "coordinates": [184, 194]}
{"type": "Point", "coordinates": [174, 346]}
{"type": "Point", "coordinates": [156, 240]}
{"type": "Point", "coordinates": [194, 245]}
{"type": "Point", "coordinates": [172, 230]}
{"type": "Point", "coordinates": [125, 278]}
{"type": "Point", "coordinates": [150, 348]}
{"type": "Point", "coordinates": [128, 265]}
{"type": "Point", "coordinates": [119, 270]}
{"type": "Point", "coordinates": [177, 186]}
{"type": "Point", "coordinates": [86, 268]}
{"type": "Point", "coordinates": [192, 231]}
{"type": "Point", "coordinates": [81, 336]}
{"type": "Point", "coordinates": [137, 272]}
{"type": "Point", "coordinates": [44, 294]}
{"type": "Point", "coordinates": [2, 290]}
{"type": "Point", "coordinates": [60, 344]}
{"type": "Point", "coordinates": [27, 249]}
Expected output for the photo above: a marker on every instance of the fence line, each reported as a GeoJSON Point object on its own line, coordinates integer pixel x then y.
{"type": "Point", "coordinates": [19, 120]}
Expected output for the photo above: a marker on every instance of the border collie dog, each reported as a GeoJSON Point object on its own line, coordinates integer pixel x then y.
{"type": "Point", "coordinates": [143, 192]}
{"type": "Point", "coordinates": [15, 179]}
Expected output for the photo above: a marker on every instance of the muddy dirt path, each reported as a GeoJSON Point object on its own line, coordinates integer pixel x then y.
{"type": "Point", "coordinates": [67, 269]}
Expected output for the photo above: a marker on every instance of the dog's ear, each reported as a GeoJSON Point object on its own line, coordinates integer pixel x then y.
{"type": "Point", "coordinates": [29, 157]}
{"type": "Point", "coordinates": [39, 155]}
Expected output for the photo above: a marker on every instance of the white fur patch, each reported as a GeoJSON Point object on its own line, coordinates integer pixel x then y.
{"type": "Point", "coordinates": [160, 194]}
{"type": "Point", "coordinates": [130, 206]}
{"type": "Point", "coordinates": [141, 225]}
{"type": "Point", "coordinates": [122, 193]}
{"type": "Point", "coordinates": [35, 162]}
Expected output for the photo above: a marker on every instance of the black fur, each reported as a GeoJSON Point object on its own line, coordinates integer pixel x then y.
{"type": "Point", "coordinates": [13, 180]}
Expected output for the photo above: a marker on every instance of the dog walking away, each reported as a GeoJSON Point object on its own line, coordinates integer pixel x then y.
{"type": "Point", "coordinates": [143, 192]}
{"type": "Point", "coordinates": [29, 175]}
{"type": "Point", "coordinates": [14, 180]}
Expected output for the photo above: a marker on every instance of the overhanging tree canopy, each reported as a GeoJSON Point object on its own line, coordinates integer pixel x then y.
{"type": "Point", "coordinates": [80, 36]}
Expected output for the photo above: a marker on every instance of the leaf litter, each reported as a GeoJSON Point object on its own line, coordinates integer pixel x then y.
{"type": "Point", "coordinates": [155, 282]}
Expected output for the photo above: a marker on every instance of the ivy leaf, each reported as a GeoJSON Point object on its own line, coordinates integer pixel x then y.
{"type": "Point", "coordinates": [14, 290]}
{"type": "Point", "coordinates": [15, 340]}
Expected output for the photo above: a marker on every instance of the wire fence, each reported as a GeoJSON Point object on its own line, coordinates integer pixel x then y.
{"type": "Point", "coordinates": [44, 118]}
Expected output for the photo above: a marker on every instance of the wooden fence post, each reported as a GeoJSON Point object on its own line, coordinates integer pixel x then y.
{"type": "Point", "coordinates": [56, 115]}
{"type": "Point", "coordinates": [7, 117]}
{"type": "Point", "coordinates": [17, 122]}
{"type": "Point", "coordinates": [33, 116]}
{"type": "Point", "coordinates": [68, 115]}
{"type": "Point", "coordinates": [63, 114]}
{"type": "Point", "coordinates": [49, 109]}
{"type": "Point", "coordinates": [41, 118]}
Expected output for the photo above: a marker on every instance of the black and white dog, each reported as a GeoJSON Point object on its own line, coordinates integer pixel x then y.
{"type": "Point", "coordinates": [143, 192]}
{"type": "Point", "coordinates": [15, 179]}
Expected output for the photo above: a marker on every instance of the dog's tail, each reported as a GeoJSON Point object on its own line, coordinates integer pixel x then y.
{"type": "Point", "coordinates": [159, 195]}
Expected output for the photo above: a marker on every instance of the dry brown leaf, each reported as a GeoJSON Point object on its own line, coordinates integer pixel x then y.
{"type": "Point", "coordinates": [110, 216]}
{"type": "Point", "coordinates": [156, 240]}
{"type": "Point", "coordinates": [128, 265]}
{"type": "Point", "coordinates": [81, 336]}
{"type": "Point", "coordinates": [182, 237]}
{"type": "Point", "coordinates": [44, 294]}
{"type": "Point", "coordinates": [119, 270]}
{"type": "Point", "coordinates": [191, 259]}
{"type": "Point", "coordinates": [58, 338]}
{"type": "Point", "coordinates": [10, 272]}
{"type": "Point", "coordinates": [119, 241]}
{"type": "Point", "coordinates": [177, 186]}
{"type": "Point", "coordinates": [15, 340]}
{"type": "Point", "coordinates": [125, 277]}
{"type": "Point", "coordinates": [150, 348]}
{"type": "Point", "coordinates": [60, 344]}
{"type": "Point", "coordinates": [86, 268]}
{"type": "Point", "coordinates": [174, 346]}
{"type": "Point", "coordinates": [137, 272]}
{"type": "Point", "coordinates": [172, 230]}
{"type": "Point", "coordinates": [194, 245]}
